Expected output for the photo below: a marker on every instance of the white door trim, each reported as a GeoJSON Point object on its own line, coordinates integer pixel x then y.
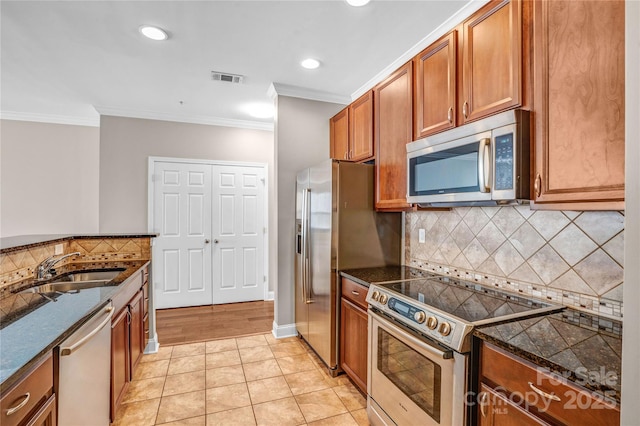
{"type": "Point", "coordinates": [150, 202]}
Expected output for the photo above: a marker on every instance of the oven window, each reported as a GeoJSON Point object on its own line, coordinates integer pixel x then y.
{"type": "Point", "coordinates": [414, 374]}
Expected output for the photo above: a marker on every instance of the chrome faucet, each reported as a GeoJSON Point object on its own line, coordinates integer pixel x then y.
{"type": "Point", "coordinates": [43, 270]}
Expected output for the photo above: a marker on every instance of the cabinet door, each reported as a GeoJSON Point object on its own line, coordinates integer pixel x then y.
{"type": "Point", "coordinates": [393, 130]}
{"type": "Point", "coordinates": [496, 410]}
{"type": "Point", "coordinates": [435, 87]}
{"type": "Point", "coordinates": [46, 415]}
{"type": "Point", "coordinates": [492, 60]}
{"type": "Point", "coordinates": [353, 342]}
{"type": "Point", "coordinates": [361, 128]}
{"type": "Point", "coordinates": [579, 101]}
{"type": "Point", "coordinates": [136, 331]}
{"type": "Point", "coordinates": [120, 372]}
{"type": "Point", "coordinates": [339, 135]}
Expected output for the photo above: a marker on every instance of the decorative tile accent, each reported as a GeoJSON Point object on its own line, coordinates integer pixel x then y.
{"type": "Point", "coordinates": [568, 257]}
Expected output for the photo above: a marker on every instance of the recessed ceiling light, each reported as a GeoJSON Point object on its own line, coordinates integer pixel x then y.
{"type": "Point", "coordinates": [261, 110]}
{"type": "Point", "coordinates": [154, 33]}
{"type": "Point", "coordinates": [357, 2]}
{"type": "Point", "coordinates": [310, 63]}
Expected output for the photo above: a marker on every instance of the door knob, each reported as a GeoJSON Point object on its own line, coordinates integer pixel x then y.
{"type": "Point", "coordinates": [207, 241]}
{"type": "Point", "coordinates": [215, 241]}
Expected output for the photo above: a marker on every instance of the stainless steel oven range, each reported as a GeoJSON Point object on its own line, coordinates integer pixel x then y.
{"type": "Point", "coordinates": [419, 340]}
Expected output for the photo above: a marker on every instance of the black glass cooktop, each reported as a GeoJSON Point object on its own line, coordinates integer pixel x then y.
{"type": "Point", "coordinates": [468, 301]}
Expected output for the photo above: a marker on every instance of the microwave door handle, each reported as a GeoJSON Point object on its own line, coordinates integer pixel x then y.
{"type": "Point", "coordinates": [483, 165]}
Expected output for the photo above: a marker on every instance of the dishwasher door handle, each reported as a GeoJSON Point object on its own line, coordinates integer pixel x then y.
{"type": "Point", "coordinates": [64, 351]}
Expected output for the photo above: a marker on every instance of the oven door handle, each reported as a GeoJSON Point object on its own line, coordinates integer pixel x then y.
{"type": "Point", "coordinates": [408, 335]}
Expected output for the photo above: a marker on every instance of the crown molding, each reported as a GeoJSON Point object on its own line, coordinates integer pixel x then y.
{"type": "Point", "coordinates": [210, 121]}
{"type": "Point", "coordinates": [51, 118]}
{"type": "Point", "coordinates": [463, 13]}
{"type": "Point", "coordinates": [281, 89]}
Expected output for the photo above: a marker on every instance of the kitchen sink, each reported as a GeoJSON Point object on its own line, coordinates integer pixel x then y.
{"type": "Point", "coordinates": [73, 282]}
{"type": "Point", "coordinates": [65, 286]}
{"type": "Point", "coordinates": [91, 276]}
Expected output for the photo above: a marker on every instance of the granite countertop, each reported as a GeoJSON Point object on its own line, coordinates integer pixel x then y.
{"type": "Point", "coordinates": [366, 276]}
{"type": "Point", "coordinates": [30, 325]}
{"type": "Point", "coordinates": [584, 348]}
{"type": "Point", "coordinates": [9, 244]}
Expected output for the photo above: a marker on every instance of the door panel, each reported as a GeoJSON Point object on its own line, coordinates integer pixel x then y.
{"type": "Point", "coordinates": [183, 266]}
{"type": "Point", "coordinates": [238, 220]}
{"type": "Point", "coordinates": [301, 307]}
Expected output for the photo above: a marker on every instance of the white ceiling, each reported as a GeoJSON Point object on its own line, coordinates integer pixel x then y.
{"type": "Point", "coordinates": [68, 61]}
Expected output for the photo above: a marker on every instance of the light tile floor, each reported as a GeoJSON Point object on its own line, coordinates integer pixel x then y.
{"type": "Point", "coordinates": [253, 380]}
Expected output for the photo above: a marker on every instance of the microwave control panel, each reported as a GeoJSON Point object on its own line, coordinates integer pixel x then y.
{"type": "Point", "coordinates": [504, 162]}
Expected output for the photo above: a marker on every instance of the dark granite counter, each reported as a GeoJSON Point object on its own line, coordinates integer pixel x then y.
{"type": "Point", "coordinates": [9, 244]}
{"type": "Point", "coordinates": [366, 276]}
{"type": "Point", "coordinates": [31, 325]}
{"type": "Point", "coordinates": [585, 349]}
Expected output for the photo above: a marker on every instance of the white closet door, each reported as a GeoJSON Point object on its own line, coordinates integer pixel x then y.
{"type": "Point", "coordinates": [182, 217]}
{"type": "Point", "coordinates": [238, 234]}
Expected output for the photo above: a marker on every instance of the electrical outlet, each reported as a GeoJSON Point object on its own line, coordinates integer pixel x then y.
{"type": "Point", "coordinates": [422, 236]}
{"type": "Point", "coordinates": [58, 249]}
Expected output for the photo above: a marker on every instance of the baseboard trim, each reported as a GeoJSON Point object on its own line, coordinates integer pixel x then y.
{"type": "Point", "coordinates": [282, 331]}
{"type": "Point", "coordinates": [152, 346]}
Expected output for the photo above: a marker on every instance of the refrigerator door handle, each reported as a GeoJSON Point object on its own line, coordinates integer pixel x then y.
{"type": "Point", "coordinates": [307, 244]}
{"type": "Point", "coordinates": [303, 233]}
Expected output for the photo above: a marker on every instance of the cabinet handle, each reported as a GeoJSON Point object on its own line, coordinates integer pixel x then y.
{"type": "Point", "coordinates": [350, 154]}
{"type": "Point", "coordinates": [346, 155]}
{"type": "Point", "coordinates": [537, 185]}
{"type": "Point", "coordinates": [12, 410]}
{"type": "Point", "coordinates": [543, 393]}
{"type": "Point", "coordinates": [465, 106]}
{"type": "Point", "coordinates": [483, 403]}
{"type": "Point", "coordinates": [355, 293]}
{"type": "Point", "coordinates": [450, 114]}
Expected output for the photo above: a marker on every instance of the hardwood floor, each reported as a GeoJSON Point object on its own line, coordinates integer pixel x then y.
{"type": "Point", "coordinates": [197, 324]}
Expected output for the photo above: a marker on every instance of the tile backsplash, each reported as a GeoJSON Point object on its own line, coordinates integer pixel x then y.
{"type": "Point", "coordinates": [568, 257]}
{"type": "Point", "coordinates": [19, 265]}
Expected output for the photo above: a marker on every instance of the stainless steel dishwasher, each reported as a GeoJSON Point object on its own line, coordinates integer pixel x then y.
{"type": "Point", "coordinates": [85, 368]}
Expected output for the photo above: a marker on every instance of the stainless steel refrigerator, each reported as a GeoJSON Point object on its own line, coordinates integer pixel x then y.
{"type": "Point", "coordinates": [337, 228]}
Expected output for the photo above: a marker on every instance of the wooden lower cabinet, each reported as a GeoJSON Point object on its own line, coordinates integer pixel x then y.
{"type": "Point", "coordinates": [31, 401]}
{"type": "Point", "coordinates": [136, 336]}
{"type": "Point", "coordinates": [354, 335]}
{"type": "Point", "coordinates": [46, 415]}
{"type": "Point", "coordinates": [128, 340]}
{"type": "Point", "coordinates": [120, 367]}
{"type": "Point", "coordinates": [497, 410]}
{"type": "Point", "coordinates": [514, 391]}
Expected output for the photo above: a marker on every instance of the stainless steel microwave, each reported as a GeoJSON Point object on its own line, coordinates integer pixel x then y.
{"type": "Point", "coordinates": [482, 163]}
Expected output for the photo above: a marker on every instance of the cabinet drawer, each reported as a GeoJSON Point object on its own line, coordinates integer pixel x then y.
{"type": "Point", "coordinates": [524, 381]}
{"type": "Point", "coordinates": [356, 293]}
{"type": "Point", "coordinates": [32, 391]}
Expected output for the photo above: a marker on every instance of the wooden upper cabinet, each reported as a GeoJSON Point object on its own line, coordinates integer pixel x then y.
{"type": "Point", "coordinates": [351, 131]}
{"type": "Point", "coordinates": [393, 130]}
{"type": "Point", "coordinates": [361, 128]}
{"type": "Point", "coordinates": [492, 60]}
{"type": "Point", "coordinates": [579, 104]}
{"type": "Point", "coordinates": [435, 87]}
{"type": "Point", "coordinates": [339, 135]}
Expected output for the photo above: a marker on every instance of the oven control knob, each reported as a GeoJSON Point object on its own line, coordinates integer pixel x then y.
{"type": "Point", "coordinates": [376, 295]}
{"type": "Point", "coordinates": [432, 323]}
{"type": "Point", "coordinates": [419, 316]}
{"type": "Point", "coordinates": [445, 329]}
{"type": "Point", "coordinates": [383, 299]}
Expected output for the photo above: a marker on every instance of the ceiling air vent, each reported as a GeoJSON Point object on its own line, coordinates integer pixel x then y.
{"type": "Point", "coordinates": [229, 78]}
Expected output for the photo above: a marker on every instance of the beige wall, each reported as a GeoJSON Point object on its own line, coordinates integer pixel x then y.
{"type": "Point", "coordinates": [49, 175]}
{"type": "Point", "coordinates": [302, 140]}
{"type": "Point", "coordinates": [127, 143]}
